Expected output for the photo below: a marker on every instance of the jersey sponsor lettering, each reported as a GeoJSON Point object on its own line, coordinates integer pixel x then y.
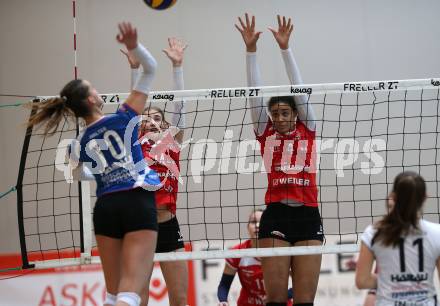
{"type": "Point", "coordinates": [115, 164]}
{"type": "Point", "coordinates": [289, 161]}
{"type": "Point", "coordinates": [291, 181]}
{"type": "Point", "coordinates": [408, 277]}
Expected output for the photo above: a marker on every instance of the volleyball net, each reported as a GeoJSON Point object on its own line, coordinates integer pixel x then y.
{"type": "Point", "coordinates": [367, 133]}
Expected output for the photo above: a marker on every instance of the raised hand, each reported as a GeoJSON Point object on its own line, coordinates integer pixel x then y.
{"type": "Point", "coordinates": [127, 35]}
{"type": "Point", "coordinates": [247, 31]}
{"type": "Point", "coordinates": [175, 51]}
{"type": "Point", "coordinates": [134, 63]}
{"type": "Point", "coordinates": [282, 35]}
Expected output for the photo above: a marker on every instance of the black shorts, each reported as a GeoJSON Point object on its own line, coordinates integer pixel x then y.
{"type": "Point", "coordinates": [118, 213]}
{"type": "Point", "coordinates": [291, 224]}
{"type": "Point", "coordinates": [169, 237]}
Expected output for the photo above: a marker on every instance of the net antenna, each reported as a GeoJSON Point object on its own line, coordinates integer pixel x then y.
{"type": "Point", "coordinates": [367, 132]}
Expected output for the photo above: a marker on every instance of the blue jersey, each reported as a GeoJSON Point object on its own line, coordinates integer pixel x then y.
{"type": "Point", "coordinates": [109, 148]}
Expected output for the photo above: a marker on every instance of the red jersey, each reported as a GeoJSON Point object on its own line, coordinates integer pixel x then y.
{"type": "Point", "coordinates": [249, 271]}
{"type": "Point", "coordinates": [251, 277]}
{"type": "Point", "coordinates": [290, 160]}
{"type": "Point", "coordinates": [164, 158]}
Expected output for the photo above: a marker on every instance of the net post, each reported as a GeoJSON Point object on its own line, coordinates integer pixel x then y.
{"type": "Point", "coordinates": [24, 152]}
{"type": "Point", "coordinates": [86, 221]}
{"type": "Point", "coordinates": [84, 214]}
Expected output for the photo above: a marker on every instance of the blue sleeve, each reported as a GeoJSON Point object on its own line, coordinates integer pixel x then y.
{"type": "Point", "coordinates": [125, 109]}
{"type": "Point", "coordinates": [290, 294]}
{"type": "Point", "coordinates": [224, 286]}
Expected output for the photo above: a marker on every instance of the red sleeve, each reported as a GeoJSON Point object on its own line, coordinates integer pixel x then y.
{"type": "Point", "coordinates": [233, 262]}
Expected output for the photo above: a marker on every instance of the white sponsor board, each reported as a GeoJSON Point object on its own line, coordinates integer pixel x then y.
{"type": "Point", "coordinates": [63, 287]}
{"type": "Point", "coordinates": [76, 286]}
{"type": "Point", "coordinates": [85, 287]}
{"type": "Point", "coordinates": [69, 287]}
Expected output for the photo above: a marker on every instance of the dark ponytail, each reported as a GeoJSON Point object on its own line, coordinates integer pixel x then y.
{"type": "Point", "coordinates": [71, 102]}
{"type": "Point", "coordinates": [409, 191]}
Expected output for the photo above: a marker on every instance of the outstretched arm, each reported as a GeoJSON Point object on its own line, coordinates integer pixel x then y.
{"type": "Point", "coordinates": [138, 96]}
{"type": "Point", "coordinates": [282, 36]}
{"type": "Point", "coordinates": [134, 66]}
{"type": "Point", "coordinates": [225, 285]}
{"type": "Point", "coordinates": [250, 38]}
{"type": "Point", "coordinates": [175, 52]}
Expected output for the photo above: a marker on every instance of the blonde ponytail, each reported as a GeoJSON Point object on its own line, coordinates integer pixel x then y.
{"type": "Point", "coordinates": [72, 102]}
{"type": "Point", "coordinates": [49, 113]}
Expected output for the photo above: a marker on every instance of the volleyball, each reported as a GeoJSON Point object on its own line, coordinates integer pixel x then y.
{"type": "Point", "coordinates": [160, 4]}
